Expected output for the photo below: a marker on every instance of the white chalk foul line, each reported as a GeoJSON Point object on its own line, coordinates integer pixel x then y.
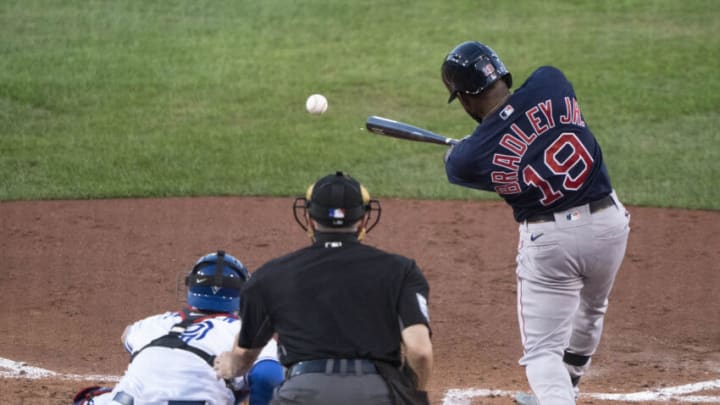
{"type": "Point", "coordinates": [668, 393]}
{"type": "Point", "coordinates": [676, 394]}
{"type": "Point", "coordinates": [14, 369]}
{"type": "Point", "coordinates": [464, 396]}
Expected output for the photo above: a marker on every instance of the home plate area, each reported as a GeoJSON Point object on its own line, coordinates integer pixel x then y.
{"type": "Point", "coordinates": [690, 393]}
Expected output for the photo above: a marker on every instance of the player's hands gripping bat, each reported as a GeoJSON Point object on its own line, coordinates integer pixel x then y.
{"type": "Point", "coordinates": [388, 127]}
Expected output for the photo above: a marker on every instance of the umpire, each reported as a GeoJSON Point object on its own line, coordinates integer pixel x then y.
{"type": "Point", "coordinates": [351, 320]}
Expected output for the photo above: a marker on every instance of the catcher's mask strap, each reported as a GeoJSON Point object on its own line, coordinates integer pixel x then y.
{"type": "Point", "coordinates": [219, 267]}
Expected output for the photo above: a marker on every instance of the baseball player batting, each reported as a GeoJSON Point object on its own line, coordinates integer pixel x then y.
{"type": "Point", "coordinates": [172, 353]}
{"type": "Point", "coordinates": [534, 148]}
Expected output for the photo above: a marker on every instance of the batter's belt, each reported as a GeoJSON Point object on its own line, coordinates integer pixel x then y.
{"type": "Point", "coordinates": [595, 206]}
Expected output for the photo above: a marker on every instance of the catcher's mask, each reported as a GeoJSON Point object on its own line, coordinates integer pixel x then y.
{"type": "Point", "coordinates": [337, 201]}
{"type": "Point", "coordinates": [214, 288]}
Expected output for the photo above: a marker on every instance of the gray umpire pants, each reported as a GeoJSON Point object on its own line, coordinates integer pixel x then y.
{"type": "Point", "coordinates": [333, 389]}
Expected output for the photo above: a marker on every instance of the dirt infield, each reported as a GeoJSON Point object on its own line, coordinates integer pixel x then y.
{"type": "Point", "coordinates": [76, 272]}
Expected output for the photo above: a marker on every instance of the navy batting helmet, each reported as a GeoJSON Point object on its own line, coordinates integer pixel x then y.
{"type": "Point", "coordinates": [472, 67]}
{"type": "Point", "coordinates": [216, 291]}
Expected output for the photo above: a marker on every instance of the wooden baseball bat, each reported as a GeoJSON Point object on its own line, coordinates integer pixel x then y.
{"type": "Point", "coordinates": [396, 129]}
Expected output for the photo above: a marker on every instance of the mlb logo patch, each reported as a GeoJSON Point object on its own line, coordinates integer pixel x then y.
{"type": "Point", "coordinates": [336, 213]}
{"type": "Point", "coordinates": [507, 112]}
{"type": "Point", "coordinates": [573, 216]}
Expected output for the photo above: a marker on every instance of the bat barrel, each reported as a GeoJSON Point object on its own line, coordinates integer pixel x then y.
{"type": "Point", "coordinates": [396, 129]}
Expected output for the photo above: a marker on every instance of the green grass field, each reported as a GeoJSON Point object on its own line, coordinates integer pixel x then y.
{"type": "Point", "coordinates": [166, 98]}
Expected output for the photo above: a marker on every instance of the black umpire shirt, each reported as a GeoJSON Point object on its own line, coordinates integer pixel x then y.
{"type": "Point", "coordinates": [337, 298]}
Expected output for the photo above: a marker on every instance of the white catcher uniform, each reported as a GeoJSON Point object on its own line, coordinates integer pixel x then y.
{"type": "Point", "coordinates": [161, 374]}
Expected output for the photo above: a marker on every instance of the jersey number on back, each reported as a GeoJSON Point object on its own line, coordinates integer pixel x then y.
{"type": "Point", "coordinates": [197, 331]}
{"type": "Point", "coordinates": [575, 153]}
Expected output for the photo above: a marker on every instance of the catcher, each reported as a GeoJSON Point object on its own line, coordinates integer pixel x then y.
{"type": "Point", "coordinates": [172, 353]}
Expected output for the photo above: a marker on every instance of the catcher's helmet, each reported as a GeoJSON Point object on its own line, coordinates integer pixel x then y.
{"type": "Point", "coordinates": [472, 67]}
{"type": "Point", "coordinates": [216, 291]}
{"type": "Point", "coordinates": [337, 201]}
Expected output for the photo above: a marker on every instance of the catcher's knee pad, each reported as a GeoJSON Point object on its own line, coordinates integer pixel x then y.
{"type": "Point", "coordinates": [85, 395]}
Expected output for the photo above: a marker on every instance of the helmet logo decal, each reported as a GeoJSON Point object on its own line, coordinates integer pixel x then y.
{"type": "Point", "coordinates": [215, 289]}
{"type": "Point", "coordinates": [488, 69]}
{"type": "Point", "coordinates": [336, 213]}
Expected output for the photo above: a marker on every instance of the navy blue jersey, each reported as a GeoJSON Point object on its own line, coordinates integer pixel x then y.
{"type": "Point", "coordinates": [535, 151]}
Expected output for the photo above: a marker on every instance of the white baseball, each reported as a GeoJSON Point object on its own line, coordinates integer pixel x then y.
{"type": "Point", "coordinates": [316, 104]}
